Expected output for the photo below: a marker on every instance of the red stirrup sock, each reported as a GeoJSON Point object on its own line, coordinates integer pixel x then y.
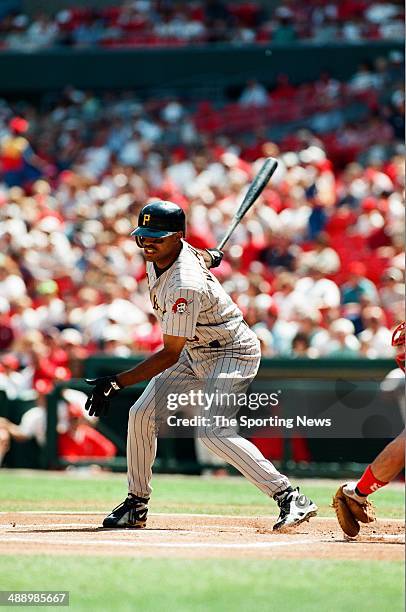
{"type": "Point", "coordinates": [368, 483]}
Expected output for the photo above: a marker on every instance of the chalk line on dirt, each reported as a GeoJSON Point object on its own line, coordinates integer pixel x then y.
{"type": "Point", "coordinates": [175, 514]}
{"type": "Point", "coordinates": [139, 544]}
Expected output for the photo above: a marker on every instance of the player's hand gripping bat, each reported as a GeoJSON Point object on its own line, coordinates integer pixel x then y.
{"type": "Point", "coordinates": [255, 189]}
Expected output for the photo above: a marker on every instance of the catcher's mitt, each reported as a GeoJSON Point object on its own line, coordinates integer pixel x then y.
{"type": "Point", "coordinates": [350, 512]}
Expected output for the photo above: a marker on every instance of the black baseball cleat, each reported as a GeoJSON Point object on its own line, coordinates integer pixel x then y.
{"type": "Point", "coordinates": [294, 507]}
{"type": "Point", "coordinates": [131, 513]}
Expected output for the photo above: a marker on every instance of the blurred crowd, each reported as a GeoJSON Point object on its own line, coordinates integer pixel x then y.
{"type": "Point", "coordinates": [166, 23]}
{"type": "Point", "coordinates": [77, 436]}
{"type": "Point", "coordinates": [316, 267]}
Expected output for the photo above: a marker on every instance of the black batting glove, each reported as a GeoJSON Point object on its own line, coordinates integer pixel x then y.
{"type": "Point", "coordinates": [104, 388]}
{"type": "Point", "coordinates": [216, 257]}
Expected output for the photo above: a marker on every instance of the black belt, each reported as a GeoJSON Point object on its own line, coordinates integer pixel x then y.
{"type": "Point", "coordinates": [214, 344]}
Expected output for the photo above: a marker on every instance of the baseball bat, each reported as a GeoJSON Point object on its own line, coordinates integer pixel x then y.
{"type": "Point", "coordinates": [254, 191]}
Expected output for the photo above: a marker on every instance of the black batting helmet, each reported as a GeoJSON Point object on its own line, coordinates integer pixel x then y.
{"type": "Point", "coordinates": [158, 220]}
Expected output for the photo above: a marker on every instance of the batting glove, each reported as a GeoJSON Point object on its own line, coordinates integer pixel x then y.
{"type": "Point", "coordinates": [98, 402]}
{"type": "Point", "coordinates": [216, 257]}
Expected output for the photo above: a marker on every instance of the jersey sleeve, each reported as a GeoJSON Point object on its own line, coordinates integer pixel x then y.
{"type": "Point", "coordinates": [182, 312]}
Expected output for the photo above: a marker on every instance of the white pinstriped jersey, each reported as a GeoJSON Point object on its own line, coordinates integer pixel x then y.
{"type": "Point", "coordinates": [221, 353]}
{"type": "Point", "coordinates": [190, 302]}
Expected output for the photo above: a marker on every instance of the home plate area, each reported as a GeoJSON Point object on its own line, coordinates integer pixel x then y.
{"type": "Point", "coordinates": [195, 536]}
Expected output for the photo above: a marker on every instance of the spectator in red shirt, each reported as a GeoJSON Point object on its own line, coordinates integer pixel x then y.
{"type": "Point", "coordinates": [81, 441]}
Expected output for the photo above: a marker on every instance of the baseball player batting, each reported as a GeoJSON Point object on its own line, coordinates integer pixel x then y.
{"type": "Point", "coordinates": [351, 502]}
{"type": "Point", "coordinates": [205, 339]}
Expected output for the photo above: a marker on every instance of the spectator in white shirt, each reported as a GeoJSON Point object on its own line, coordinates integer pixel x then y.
{"type": "Point", "coordinates": [308, 323]}
{"type": "Point", "coordinates": [392, 291]}
{"type": "Point", "coordinates": [343, 342]}
{"type": "Point", "coordinates": [12, 285]}
{"type": "Point", "coordinates": [363, 79]}
{"type": "Point", "coordinates": [254, 94]}
{"type": "Point", "coordinates": [286, 299]}
{"type": "Point", "coordinates": [323, 256]}
{"type": "Point", "coordinates": [318, 291]}
{"type": "Point", "coordinates": [12, 381]}
{"type": "Point", "coordinates": [382, 11]}
{"type": "Point", "coordinates": [376, 337]}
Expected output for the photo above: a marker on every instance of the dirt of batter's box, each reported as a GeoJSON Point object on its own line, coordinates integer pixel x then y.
{"type": "Point", "coordinates": [197, 537]}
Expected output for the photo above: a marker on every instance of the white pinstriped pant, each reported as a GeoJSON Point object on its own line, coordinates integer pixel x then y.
{"type": "Point", "coordinates": [232, 373]}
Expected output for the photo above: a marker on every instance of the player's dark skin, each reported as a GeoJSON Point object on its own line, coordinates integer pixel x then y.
{"type": "Point", "coordinates": [162, 251]}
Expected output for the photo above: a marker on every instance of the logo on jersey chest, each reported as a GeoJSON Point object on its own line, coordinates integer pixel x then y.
{"type": "Point", "coordinates": [181, 306]}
